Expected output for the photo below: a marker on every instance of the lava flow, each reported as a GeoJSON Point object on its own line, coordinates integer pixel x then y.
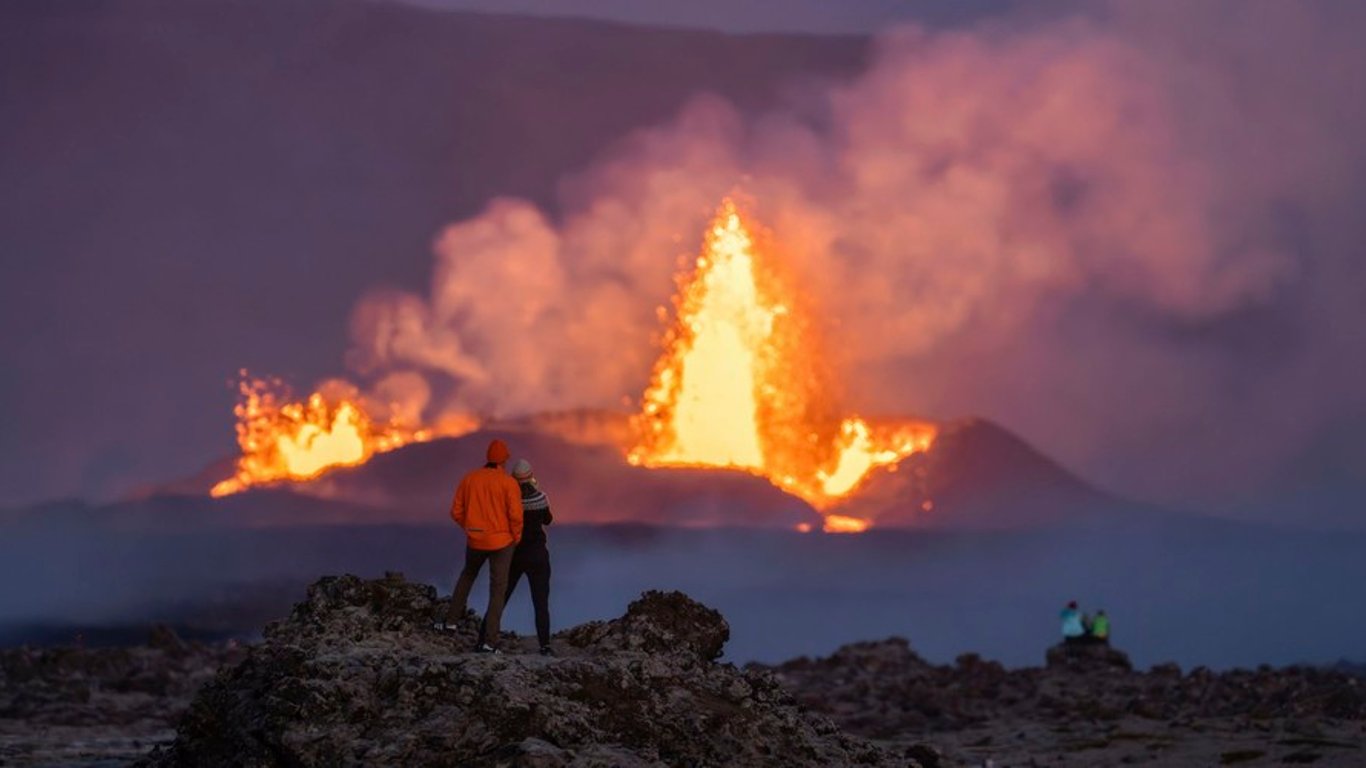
{"type": "Point", "coordinates": [743, 383]}
{"type": "Point", "coordinates": [284, 440]}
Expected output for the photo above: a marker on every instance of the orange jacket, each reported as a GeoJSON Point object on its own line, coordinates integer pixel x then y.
{"type": "Point", "coordinates": [488, 505]}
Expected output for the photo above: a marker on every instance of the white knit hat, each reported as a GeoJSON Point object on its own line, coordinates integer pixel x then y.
{"type": "Point", "coordinates": [521, 469]}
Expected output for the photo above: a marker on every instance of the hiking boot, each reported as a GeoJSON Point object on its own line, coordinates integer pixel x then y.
{"type": "Point", "coordinates": [547, 651]}
{"type": "Point", "coordinates": [486, 648]}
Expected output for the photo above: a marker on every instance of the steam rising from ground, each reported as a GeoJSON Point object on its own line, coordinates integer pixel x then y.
{"type": "Point", "coordinates": [1090, 228]}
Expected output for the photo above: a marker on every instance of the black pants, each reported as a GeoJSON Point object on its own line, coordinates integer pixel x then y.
{"type": "Point", "coordinates": [535, 564]}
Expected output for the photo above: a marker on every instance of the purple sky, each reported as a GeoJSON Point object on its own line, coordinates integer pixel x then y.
{"type": "Point", "coordinates": [748, 16]}
{"type": "Point", "coordinates": [1167, 299]}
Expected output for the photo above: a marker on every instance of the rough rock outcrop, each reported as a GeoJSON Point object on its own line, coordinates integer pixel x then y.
{"type": "Point", "coordinates": [881, 689]}
{"type": "Point", "coordinates": [1087, 658]}
{"type": "Point", "coordinates": [355, 676]}
{"type": "Point", "coordinates": [659, 622]}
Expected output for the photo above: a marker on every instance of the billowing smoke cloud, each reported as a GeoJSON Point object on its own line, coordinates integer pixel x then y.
{"type": "Point", "coordinates": [1128, 235]}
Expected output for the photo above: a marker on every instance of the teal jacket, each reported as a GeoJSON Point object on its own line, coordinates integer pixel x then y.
{"type": "Point", "coordinates": [1071, 623]}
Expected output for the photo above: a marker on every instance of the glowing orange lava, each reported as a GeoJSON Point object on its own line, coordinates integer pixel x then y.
{"type": "Point", "coordinates": [743, 383]}
{"type": "Point", "coordinates": [298, 440]}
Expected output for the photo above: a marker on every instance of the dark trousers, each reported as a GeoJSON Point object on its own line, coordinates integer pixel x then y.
{"type": "Point", "coordinates": [535, 564]}
{"type": "Point", "coordinates": [500, 561]}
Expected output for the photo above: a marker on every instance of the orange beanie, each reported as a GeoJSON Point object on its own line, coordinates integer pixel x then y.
{"type": "Point", "coordinates": [498, 452]}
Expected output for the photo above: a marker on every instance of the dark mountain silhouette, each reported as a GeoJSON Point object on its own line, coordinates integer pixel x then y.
{"type": "Point", "coordinates": [978, 475]}
{"type": "Point", "coordinates": [195, 187]}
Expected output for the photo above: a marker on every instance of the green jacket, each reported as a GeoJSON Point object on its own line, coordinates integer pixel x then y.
{"type": "Point", "coordinates": [1100, 626]}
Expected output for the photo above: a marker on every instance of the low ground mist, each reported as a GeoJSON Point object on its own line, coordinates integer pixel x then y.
{"type": "Point", "coordinates": [1194, 592]}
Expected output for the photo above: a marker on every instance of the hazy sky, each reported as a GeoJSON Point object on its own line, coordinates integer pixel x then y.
{"type": "Point", "coordinates": [1130, 235]}
{"type": "Point", "coordinates": [812, 16]}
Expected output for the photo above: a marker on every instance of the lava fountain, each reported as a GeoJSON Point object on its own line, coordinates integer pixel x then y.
{"type": "Point", "coordinates": [295, 440]}
{"type": "Point", "coordinates": [743, 383]}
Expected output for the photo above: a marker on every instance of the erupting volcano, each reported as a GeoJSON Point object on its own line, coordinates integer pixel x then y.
{"type": "Point", "coordinates": [743, 382]}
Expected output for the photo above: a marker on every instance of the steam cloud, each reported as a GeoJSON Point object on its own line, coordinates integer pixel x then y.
{"type": "Point", "coordinates": [1089, 228]}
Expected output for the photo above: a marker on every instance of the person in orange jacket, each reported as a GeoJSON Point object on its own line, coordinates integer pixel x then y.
{"type": "Point", "coordinates": [488, 506]}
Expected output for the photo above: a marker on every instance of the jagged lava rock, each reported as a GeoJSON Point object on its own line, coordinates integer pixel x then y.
{"type": "Point", "coordinates": [659, 622]}
{"type": "Point", "coordinates": [1086, 657]}
{"type": "Point", "coordinates": [884, 690]}
{"type": "Point", "coordinates": [355, 676]}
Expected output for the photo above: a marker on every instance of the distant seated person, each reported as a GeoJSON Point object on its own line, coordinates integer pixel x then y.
{"type": "Point", "coordinates": [1072, 630]}
{"type": "Point", "coordinates": [1100, 629]}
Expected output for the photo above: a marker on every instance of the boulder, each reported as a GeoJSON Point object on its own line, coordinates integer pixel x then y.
{"type": "Point", "coordinates": [658, 622]}
{"type": "Point", "coordinates": [1087, 657]}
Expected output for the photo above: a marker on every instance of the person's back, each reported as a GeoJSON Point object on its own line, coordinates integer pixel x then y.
{"type": "Point", "coordinates": [1100, 627]}
{"type": "Point", "coordinates": [1072, 629]}
{"type": "Point", "coordinates": [535, 513]}
{"type": "Point", "coordinates": [483, 506]}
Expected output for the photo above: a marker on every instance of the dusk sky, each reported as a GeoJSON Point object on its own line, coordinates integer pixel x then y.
{"type": "Point", "coordinates": [1127, 232]}
{"type": "Point", "coordinates": [751, 16]}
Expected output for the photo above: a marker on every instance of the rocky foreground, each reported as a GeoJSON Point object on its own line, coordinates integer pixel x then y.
{"type": "Point", "coordinates": [356, 676]}
{"type": "Point", "coordinates": [1086, 707]}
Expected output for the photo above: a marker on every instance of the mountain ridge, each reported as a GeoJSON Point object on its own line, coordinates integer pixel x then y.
{"type": "Point", "coordinates": [974, 474]}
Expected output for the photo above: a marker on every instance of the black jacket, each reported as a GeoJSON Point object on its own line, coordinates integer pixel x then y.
{"type": "Point", "coordinates": [535, 517]}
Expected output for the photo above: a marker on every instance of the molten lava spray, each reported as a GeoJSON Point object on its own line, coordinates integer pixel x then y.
{"type": "Point", "coordinates": [743, 383]}
{"type": "Point", "coordinates": [285, 440]}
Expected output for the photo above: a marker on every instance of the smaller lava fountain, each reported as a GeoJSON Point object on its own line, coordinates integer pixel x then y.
{"type": "Point", "coordinates": [295, 440]}
{"type": "Point", "coordinates": [743, 383]}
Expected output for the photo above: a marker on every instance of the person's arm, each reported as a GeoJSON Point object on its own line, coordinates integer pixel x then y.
{"type": "Point", "coordinates": [514, 504]}
{"type": "Point", "coordinates": [458, 506]}
{"type": "Point", "coordinates": [549, 518]}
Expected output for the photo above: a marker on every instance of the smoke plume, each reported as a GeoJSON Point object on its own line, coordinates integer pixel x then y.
{"type": "Point", "coordinates": [1127, 234]}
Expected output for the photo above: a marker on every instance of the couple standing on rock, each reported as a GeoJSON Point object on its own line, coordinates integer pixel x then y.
{"type": "Point", "coordinates": [504, 520]}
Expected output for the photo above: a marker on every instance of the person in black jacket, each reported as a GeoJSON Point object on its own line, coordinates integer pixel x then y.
{"type": "Point", "coordinates": [531, 557]}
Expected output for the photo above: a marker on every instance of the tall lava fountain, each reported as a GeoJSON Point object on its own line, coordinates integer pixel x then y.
{"type": "Point", "coordinates": [743, 382]}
